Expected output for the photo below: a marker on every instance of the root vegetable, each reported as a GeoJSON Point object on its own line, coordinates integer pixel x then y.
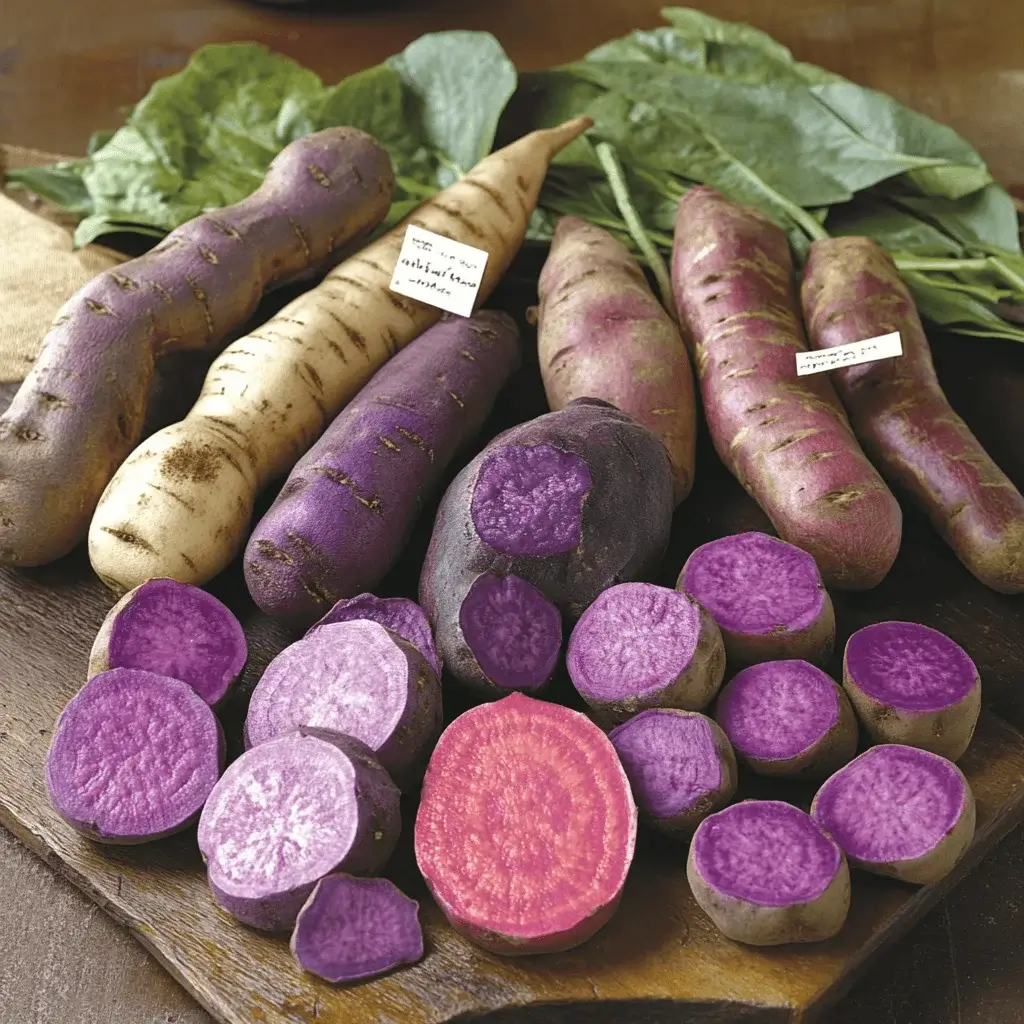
{"type": "Point", "coordinates": [912, 684]}
{"type": "Point", "coordinates": [767, 597]}
{"type": "Point", "coordinates": [641, 646]}
{"type": "Point", "coordinates": [180, 506]}
{"type": "Point", "coordinates": [526, 827]}
{"type": "Point", "coordinates": [899, 811]}
{"type": "Point", "coordinates": [82, 408]}
{"type": "Point", "coordinates": [785, 438]}
{"type": "Point", "coordinates": [601, 333]}
{"type": "Point", "coordinates": [852, 291]}
{"type": "Point", "coordinates": [680, 766]}
{"type": "Point", "coordinates": [766, 875]}
{"type": "Point", "coordinates": [347, 509]}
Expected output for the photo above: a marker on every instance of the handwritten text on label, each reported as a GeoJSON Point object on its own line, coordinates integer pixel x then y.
{"type": "Point", "coordinates": [438, 271]}
{"type": "Point", "coordinates": [885, 346]}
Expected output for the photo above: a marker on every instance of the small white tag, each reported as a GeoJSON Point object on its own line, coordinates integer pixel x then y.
{"type": "Point", "coordinates": [885, 346]}
{"type": "Point", "coordinates": [438, 271]}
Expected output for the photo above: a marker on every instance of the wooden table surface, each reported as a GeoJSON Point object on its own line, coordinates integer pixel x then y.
{"type": "Point", "coordinates": [66, 69]}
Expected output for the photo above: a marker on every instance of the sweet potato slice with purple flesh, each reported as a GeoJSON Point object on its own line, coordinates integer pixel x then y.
{"type": "Point", "coordinates": [898, 811]}
{"type": "Point", "coordinates": [640, 646]}
{"type": "Point", "coordinates": [912, 684]}
{"type": "Point", "coordinates": [352, 928]}
{"type": "Point", "coordinates": [134, 757]}
{"type": "Point", "coordinates": [788, 718]}
{"type": "Point", "coordinates": [767, 597]}
{"type": "Point", "coordinates": [526, 827]}
{"type": "Point", "coordinates": [680, 766]}
{"type": "Point", "coordinates": [289, 812]}
{"type": "Point", "coordinates": [358, 679]}
{"type": "Point", "coordinates": [175, 630]}
{"type": "Point", "coordinates": [767, 875]}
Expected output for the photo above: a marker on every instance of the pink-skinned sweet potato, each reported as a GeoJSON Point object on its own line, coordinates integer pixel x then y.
{"type": "Point", "coordinates": [852, 291]}
{"type": "Point", "coordinates": [785, 438]}
{"type": "Point", "coordinates": [551, 513]}
{"type": "Point", "coordinates": [347, 509]}
{"type": "Point", "coordinates": [526, 826]}
{"type": "Point", "coordinates": [82, 407]}
{"type": "Point", "coordinates": [601, 333]}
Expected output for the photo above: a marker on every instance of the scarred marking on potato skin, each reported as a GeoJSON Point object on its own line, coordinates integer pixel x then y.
{"type": "Point", "coordinates": [192, 463]}
{"type": "Point", "coordinates": [127, 537]}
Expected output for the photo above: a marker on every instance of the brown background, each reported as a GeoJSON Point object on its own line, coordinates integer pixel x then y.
{"type": "Point", "coordinates": [66, 69]}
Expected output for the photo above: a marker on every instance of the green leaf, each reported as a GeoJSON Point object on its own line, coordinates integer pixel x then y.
{"type": "Point", "coordinates": [656, 46]}
{"type": "Point", "coordinates": [97, 141]}
{"type": "Point", "coordinates": [950, 308]}
{"type": "Point", "coordinates": [61, 184]}
{"type": "Point", "coordinates": [694, 24]}
{"type": "Point", "coordinates": [91, 228]}
{"type": "Point", "coordinates": [894, 229]}
{"type": "Point", "coordinates": [987, 217]}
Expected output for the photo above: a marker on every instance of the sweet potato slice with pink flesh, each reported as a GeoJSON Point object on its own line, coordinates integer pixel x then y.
{"type": "Point", "coordinates": [767, 597]}
{"type": "Point", "coordinates": [526, 827]}
{"type": "Point", "coordinates": [359, 679]}
{"type": "Point", "coordinates": [639, 646]}
{"type": "Point", "coordinates": [912, 684]}
{"type": "Point", "coordinates": [353, 928]}
{"type": "Point", "coordinates": [767, 875]}
{"type": "Point", "coordinates": [899, 811]}
{"type": "Point", "coordinates": [134, 757]}
{"type": "Point", "coordinates": [680, 765]}
{"type": "Point", "coordinates": [289, 812]}
{"type": "Point", "coordinates": [175, 630]}
{"type": "Point", "coordinates": [788, 718]}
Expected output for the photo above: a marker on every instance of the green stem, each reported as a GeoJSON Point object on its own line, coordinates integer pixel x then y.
{"type": "Point", "coordinates": [1008, 273]}
{"type": "Point", "coordinates": [620, 190]}
{"type": "Point", "coordinates": [937, 263]}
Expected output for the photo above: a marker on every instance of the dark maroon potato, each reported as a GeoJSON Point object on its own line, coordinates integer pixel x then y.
{"type": "Point", "coordinates": [175, 630]}
{"type": "Point", "coordinates": [352, 928]}
{"type": "Point", "coordinates": [289, 812]}
{"type": "Point", "coordinates": [134, 757]}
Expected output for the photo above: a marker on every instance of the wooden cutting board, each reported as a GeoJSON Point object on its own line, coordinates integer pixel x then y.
{"type": "Point", "coordinates": [659, 959]}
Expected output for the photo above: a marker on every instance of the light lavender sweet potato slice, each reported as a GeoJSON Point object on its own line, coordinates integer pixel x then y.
{"type": "Point", "coordinates": [134, 757]}
{"type": "Point", "coordinates": [640, 646]}
{"type": "Point", "coordinates": [526, 826]}
{"type": "Point", "coordinates": [788, 718]}
{"type": "Point", "coordinates": [289, 812]}
{"type": "Point", "coordinates": [767, 597]}
{"type": "Point", "coordinates": [680, 765]}
{"type": "Point", "coordinates": [912, 684]}
{"type": "Point", "coordinates": [175, 630]}
{"type": "Point", "coordinates": [355, 678]}
{"type": "Point", "coordinates": [899, 811]}
{"type": "Point", "coordinates": [767, 875]}
{"type": "Point", "coordinates": [352, 928]}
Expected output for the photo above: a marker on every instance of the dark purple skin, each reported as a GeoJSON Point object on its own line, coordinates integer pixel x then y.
{"type": "Point", "coordinates": [134, 757]}
{"type": "Point", "coordinates": [175, 630]}
{"type": "Point", "coordinates": [399, 614]}
{"type": "Point", "coordinates": [352, 928]}
{"type": "Point", "coordinates": [331, 788]}
{"type": "Point", "coordinates": [350, 504]}
{"type": "Point", "coordinates": [88, 390]}
{"type": "Point", "coordinates": [623, 518]}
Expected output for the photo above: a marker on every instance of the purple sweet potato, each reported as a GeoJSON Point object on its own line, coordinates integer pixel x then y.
{"type": "Point", "coordinates": [82, 408]}
{"type": "Point", "coordinates": [912, 684]}
{"type": "Point", "coordinates": [852, 291]}
{"type": "Point", "coordinates": [399, 614]}
{"type": "Point", "coordinates": [359, 679]}
{"type": "Point", "coordinates": [788, 718]}
{"type": "Point", "coordinates": [352, 928]}
{"type": "Point", "coordinates": [766, 874]}
{"type": "Point", "coordinates": [643, 646]}
{"type": "Point", "coordinates": [767, 597]}
{"type": "Point", "coordinates": [680, 765]}
{"type": "Point", "coordinates": [134, 757]}
{"type": "Point", "coordinates": [549, 514]}
{"type": "Point", "coordinates": [898, 811]}
{"type": "Point", "coordinates": [526, 827]}
{"type": "Point", "coordinates": [601, 333]}
{"type": "Point", "coordinates": [175, 630]}
{"type": "Point", "coordinates": [347, 509]}
{"type": "Point", "coordinates": [785, 438]}
{"type": "Point", "coordinates": [289, 812]}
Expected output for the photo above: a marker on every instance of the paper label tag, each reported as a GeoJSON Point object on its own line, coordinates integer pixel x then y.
{"type": "Point", "coordinates": [885, 346]}
{"type": "Point", "coordinates": [438, 271]}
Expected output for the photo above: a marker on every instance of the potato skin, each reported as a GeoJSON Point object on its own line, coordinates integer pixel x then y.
{"type": "Point", "coordinates": [852, 291]}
